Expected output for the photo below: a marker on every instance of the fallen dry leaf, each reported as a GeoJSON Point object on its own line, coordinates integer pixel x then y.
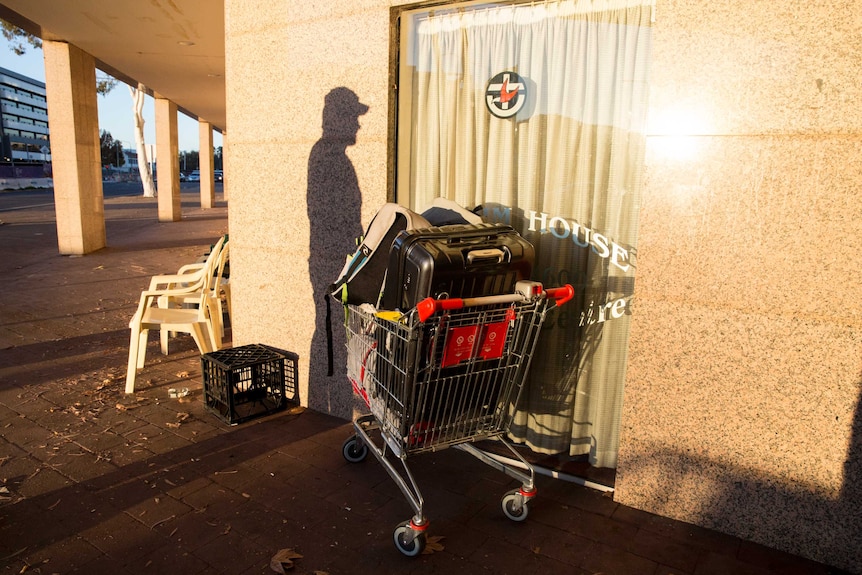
{"type": "Point", "coordinates": [283, 560]}
{"type": "Point", "coordinates": [433, 545]}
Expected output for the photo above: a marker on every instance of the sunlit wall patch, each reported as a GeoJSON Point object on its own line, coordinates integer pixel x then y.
{"type": "Point", "coordinates": [506, 94]}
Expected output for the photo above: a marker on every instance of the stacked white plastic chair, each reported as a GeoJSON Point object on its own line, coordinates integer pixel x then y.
{"type": "Point", "coordinates": [216, 284]}
{"type": "Point", "coordinates": [199, 316]}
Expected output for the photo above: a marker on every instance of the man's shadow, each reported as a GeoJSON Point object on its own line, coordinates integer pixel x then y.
{"type": "Point", "coordinates": [334, 212]}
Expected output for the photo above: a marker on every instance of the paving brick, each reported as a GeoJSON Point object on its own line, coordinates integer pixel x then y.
{"type": "Point", "coordinates": [179, 480]}
{"type": "Point", "coordinates": [280, 465]}
{"type": "Point", "coordinates": [491, 521]}
{"type": "Point", "coordinates": [62, 556]}
{"type": "Point", "coordinates": [26, 526]}
{"type": "Point", "coordinates": [633, 516]}
{"type": "Point", "coordinates": [157, 510]}
{"type": "Point", "coordinates": [125, 456]}
{"type": "Point", "coordinates": [457, 538]}
{"type": "Point", "coordinates": [102, 565]}
{"type": "Point", "coordinates": [666, 570]}
{"type": "Point", "coordinates": [129, 492]}
{"type": "Point", "coordinates": [688, 534]}
{"type": "Point", "coordinates": [169, 559]}
{"type": "Point", "coordinates": [24, 432]}
{"type": "Point", "coordinates": [43, 481]}
{"type": "Point", "coordinates": [260, 523]}
{"type": "Point", "coordinates": [216, 500]}
{"type": "Point", "coordinates": [98, 441]}
{"type": "Point", "coordinates": [440, 502]}
{"type": "Point", "coordinates": [237, 477]}
{"type": "Point", "coordinates": [500, 557]}
{"type": "Point", "coordinates": [360, 499]}
{"type": "Point", "coordinates": [555, 543]}
{"type": "Point", "coordinates": [302, 508]}
{"type": "Point", "coordinates": [603, 558]}
{"type": "Point", "coordinates": [192, 530]}
{"type": "Point", "coordinates": [712, 563]}
{"type": "Point", "coordinates": [195, 429]}
{"type": "Point", "coordinates": [224, 454]}
{"type": "Point", "coordinates": [669, 552]}
{"type": "Point", "coordinates": [598, 528]}
{"type": "Point", "coordinates": [74, 461]}
{"type": "Point", "coordinates": [779, 561]}
{"type": "Point", "coordinates": [580, 497]}
{"type": "Point", "coordinates": [122, 538]}
{"type": "Point", "coordinates": [233, 553]}
{"type": "Point", "coordinates": [15, 461]}
{"type": "Point", "coordinates": [6, 414]}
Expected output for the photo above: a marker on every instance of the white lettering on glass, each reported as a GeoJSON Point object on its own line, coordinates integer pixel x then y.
{"type": "Point", "coordinates": [562, 228]}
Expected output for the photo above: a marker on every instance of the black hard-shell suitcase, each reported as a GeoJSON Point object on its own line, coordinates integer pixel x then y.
{"type": "Point", "coordinates": [467, 260]}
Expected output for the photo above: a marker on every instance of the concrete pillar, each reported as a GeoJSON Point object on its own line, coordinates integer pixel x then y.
{"type": "Point", "coordinates": [224, 160]}
{"type": "Point", "coordinates": [167, 160]}
{"type": "Point", "coordinates": [206, 164]}
{"type": "Point", "coordinates": [70, 80]}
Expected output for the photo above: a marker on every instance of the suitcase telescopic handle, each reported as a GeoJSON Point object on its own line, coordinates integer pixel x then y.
{"type": "Point", "coordinates": [492, 255]}
{"type": "Point", "coordinates": [429, 306]}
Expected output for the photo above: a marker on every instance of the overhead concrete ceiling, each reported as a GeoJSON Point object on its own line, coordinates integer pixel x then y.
{"type": "Point", "coordinates": [173, 47]}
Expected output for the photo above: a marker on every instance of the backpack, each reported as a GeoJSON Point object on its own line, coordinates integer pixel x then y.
{"type": "Point", "coordinates": [362, 277]}
{"type": "Point", "coordinates": [445, 212]}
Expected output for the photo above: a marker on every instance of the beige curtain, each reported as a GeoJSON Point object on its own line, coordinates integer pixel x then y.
{"type": "Point", "coordinates": [565, 170]}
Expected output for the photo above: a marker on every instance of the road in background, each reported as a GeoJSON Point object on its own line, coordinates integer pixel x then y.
{"type": "Point", "coordinates": [22, 199]}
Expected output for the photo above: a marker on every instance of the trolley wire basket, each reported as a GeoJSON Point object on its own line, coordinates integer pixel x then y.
{"type": "Point", "coordinates": [446, 374]}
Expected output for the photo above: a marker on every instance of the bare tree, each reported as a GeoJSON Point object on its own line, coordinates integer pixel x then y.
{"type": "Point", "coordinates": [143, 160]}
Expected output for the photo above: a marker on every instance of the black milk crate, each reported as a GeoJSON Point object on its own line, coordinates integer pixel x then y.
{"type": "Point", "coordinates": [249, 381]}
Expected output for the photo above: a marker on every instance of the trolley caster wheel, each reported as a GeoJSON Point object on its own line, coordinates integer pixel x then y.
{"type": "Point", "coordinates": [354, 450]}
{"type": "Point", "coordinates": [515, 505]}
{"type": "Point", "coordinates": [410, 541]}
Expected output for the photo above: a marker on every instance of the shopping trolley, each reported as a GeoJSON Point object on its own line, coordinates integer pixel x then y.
{"type": "Point", "coordinates": [446, 374]}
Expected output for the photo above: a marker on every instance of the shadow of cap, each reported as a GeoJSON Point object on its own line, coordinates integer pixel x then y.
{"type": "Point", "coordinates": [345, 101]}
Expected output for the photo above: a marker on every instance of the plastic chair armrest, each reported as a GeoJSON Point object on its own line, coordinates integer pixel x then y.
{"type": "Point", "coordinates": [170, 281]}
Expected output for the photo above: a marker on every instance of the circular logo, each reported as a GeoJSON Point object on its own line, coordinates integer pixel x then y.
{"type": "Point", "coordinates": [505, 95]}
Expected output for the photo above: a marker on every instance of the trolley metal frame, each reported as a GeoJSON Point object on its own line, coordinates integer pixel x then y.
{"type": "Point", "coordinates": [447, 374]}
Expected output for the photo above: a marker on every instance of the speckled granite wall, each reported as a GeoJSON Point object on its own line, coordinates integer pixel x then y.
{"type": "Point", "coordinates": [745, 367]}
{"type": "Point", "coordinates": [282, 60]}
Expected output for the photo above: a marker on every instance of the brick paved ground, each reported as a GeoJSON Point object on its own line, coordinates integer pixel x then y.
{"type": "Point", "coordinates": [93, 481]}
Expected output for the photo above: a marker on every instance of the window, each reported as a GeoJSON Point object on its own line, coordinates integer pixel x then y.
{"type": "Point", "coordinates": [537, 112]}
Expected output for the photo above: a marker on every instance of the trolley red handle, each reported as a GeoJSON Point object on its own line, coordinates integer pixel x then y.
{"type": "Point", "coordinates": [429, 306]}
{"type": "Point", "coordinates": [562, 294]}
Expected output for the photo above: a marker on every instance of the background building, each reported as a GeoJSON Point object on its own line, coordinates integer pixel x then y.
{"type": "Point", "coordinates": [24, 123]}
